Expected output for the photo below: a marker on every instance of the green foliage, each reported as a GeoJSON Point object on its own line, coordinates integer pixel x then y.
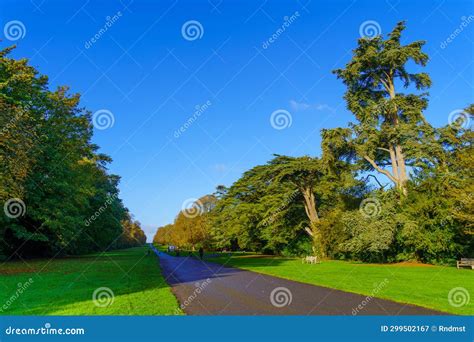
{"type": "Point", "coordinates": [370, 231]}
{"type": "Point", "coordinates": [390, 128]}
{"type": "Point", "coordinates": [71, 203]}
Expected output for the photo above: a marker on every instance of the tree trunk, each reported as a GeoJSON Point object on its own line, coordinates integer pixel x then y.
{"type": "Point", "coordinates": [310, 206]}
{"type": "Point", "coordinates": [402, 170]}
{"type": "Point", "coordinates": [393, 158]}
{"type": "Point", "coordinates": [399, 171]}
{"type": "Point", "coordinates": [312, 213]}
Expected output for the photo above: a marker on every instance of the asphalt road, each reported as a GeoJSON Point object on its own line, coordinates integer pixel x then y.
{"type": "Point", "coordinates": [205, 288]}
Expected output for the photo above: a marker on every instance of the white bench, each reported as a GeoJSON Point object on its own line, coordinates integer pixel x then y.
{"type": "Point", "coordinates": [465, 262]}
{"type": "Point", "coordinates": [310, 260]}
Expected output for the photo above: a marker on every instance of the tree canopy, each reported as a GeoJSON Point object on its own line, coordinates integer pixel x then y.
{"type": "Point", "coordinates": [390, 125]}
{"type": "Point", "coordinates": [57, 195]}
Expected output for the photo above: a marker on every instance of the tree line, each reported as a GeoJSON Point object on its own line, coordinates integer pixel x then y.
{"type": "Point", "coordinates": [57, 195]}
{"type": "Point", "coordinates": [388, 187]}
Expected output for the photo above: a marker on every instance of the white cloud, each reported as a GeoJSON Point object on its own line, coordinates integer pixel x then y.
{"type": "Point", "coordinates": [220, 168]}
{"type": "Point", "coordinates": [324, 107]}
{"type": "Point", "coordinates": [297, 106]}
{"type": "Point", "coordinates": [301, 106]}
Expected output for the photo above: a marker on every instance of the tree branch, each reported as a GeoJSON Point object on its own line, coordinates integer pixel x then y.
{"type": "Point", "coordinates": [382, 171]}
{"type": "Point", "coordinates": [385, 84]}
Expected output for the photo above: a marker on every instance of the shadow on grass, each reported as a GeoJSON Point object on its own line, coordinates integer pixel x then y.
{"type": "Point", "coordinates": [60, 285]}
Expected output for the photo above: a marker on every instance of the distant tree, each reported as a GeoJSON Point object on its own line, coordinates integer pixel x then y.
{"type": "Point", "coordinates": [220, 192]}
{"type": "Point", "coordinates": [132, 233]}
{"type": "Point", "coordinates": [191, 227]}
{"type": "Point", "coordinates": [163, 235]}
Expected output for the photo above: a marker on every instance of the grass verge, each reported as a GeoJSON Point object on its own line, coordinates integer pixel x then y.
{"type": "Point", "coordinates": [129, 281]}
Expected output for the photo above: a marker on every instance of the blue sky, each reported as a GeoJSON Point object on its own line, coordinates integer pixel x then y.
{"type": "Point", "coordinates": [144, 71]}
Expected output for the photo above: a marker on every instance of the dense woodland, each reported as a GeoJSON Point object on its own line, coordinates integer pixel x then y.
{"type": "Point", "coordinates": [56, 193]}
{"type": "Point", "coordinates": [388, 187]}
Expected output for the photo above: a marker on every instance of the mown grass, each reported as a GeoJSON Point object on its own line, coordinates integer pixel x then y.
{"type": "Point", "coordinates": [422, 285]}
{"type": "Point", "coordinates": [66, 286]}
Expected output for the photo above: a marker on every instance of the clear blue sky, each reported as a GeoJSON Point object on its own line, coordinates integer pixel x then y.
{"type": "Point", "coordinates": [151, 78]}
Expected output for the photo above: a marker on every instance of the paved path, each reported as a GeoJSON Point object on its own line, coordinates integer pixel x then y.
{"type": "Point", "coordinates": [205, 288]}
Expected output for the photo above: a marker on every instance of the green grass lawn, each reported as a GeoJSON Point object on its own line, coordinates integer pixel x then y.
{"type": "Point", "coordinates": [422, 285]}
{"type": "Point", "coordinates": [66, 286]}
